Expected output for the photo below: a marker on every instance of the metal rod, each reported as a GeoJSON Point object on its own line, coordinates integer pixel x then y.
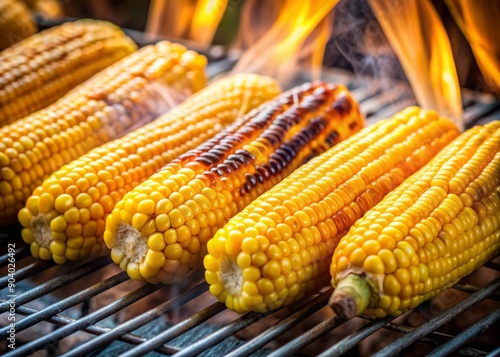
{"type": "Point", "coordinates": [397, 347]}
{"type": "Point", "coordinates": [466, 335]}
{"type": "Point", "coordinates": [137, 322]}
{"type": "Point", "coordinates": [27, 271]}
{"type": "Point", "coordinates": [175, 331]}
{"type": "Point", "coordinates": [218, 336]}
{"type": "Point", "coordinates": [97, 330]}
{"type": "Point", "coordinates": [282, 326]}
{"type": "Point", "coordinates": [494, 353]}
{"type": "Point", "coordinates": [306, 338]}
{"type": "Point", "coordinates": [90, 319]}
{"type": "Point", "coordinates": [58, 282]}
{"type": "Point", "coordinates": [66, 303]}
{"type": "Point", "coordinates": [355, 338]}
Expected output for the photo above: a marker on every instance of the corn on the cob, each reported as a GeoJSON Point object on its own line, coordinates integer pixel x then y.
{"type": "Point", "coordinates": [49, 9]}
{"type": "Point", "coordinates": [159, 231]}
{"type": "Point", "coordinates": [279, 248]}
{"type": "Point", "coordinates": [64, 218]}
{"type": "Point", "coordinates": [16, 23]}
{"type": "Point", "coordinates": [130, 92]}
{"type": "Point", "coordinates": [439, 225]}
{"type": "Point", "coordinates": [39, 70]}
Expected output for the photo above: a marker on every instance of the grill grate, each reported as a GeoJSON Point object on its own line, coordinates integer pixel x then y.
{"type": "Point", "coordinates": [62, 312]}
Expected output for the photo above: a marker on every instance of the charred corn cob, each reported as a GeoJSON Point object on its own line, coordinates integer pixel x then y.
{"type": "Point", "coordinates": [16, 23]}
{"type": "Point", "coordinates": [279, 248]}
{"type": "Point", "coordinates": [129, 93]}
{"type": "Point", "coordinates": [39, 70]}
{"type": "Point", "coordinates": [438, 226]}
{"type": "Point", "coordinates": [159, 231]}
{"type": "Point", "coordinates": [64, 218]}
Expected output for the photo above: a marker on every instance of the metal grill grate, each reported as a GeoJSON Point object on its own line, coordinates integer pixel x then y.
{"type": "Point", "coordinates": [92, 308]}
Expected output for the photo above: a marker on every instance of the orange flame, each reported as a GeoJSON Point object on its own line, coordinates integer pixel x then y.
{"type": "Point", "coordinates": [278, 51]}
{"type": "Point", "coordinates": [195, 20]}
{"type": "Point", "coordinates": [478, 20]}
{"type": "Point", "coordinates": [419, 39]}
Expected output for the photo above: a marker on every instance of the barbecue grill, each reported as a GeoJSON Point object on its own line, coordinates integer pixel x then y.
{"type": "Point", "coordinates": [90, 307]}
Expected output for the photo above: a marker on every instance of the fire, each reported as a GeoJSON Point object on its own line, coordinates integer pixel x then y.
{"type": "Point", "coordinates": [300, 25]}
{"type": "Point", "coordinates": [419, 39]}
{"type": "Point", "coordinates": [478, 20]}
{"type": "Point", "coordinates": [195, 20]}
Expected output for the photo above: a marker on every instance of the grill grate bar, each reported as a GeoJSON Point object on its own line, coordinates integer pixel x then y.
{"type": "Point", "coordinates": [282, 326]}
{"type": "Point", "coordinates": [138, 321]}
{"type": "Point", "coordinates": [396, 347]}
{"type": "Point", "coordinates": [308, 337]}
{"type": "Point", "coordinates": [175, 331]}
{"type": "Point", "coordinates": [27, 271]}
{"type": "Point", "coordinates": [466, 335]}
{"type": "Point", "coordinates": [94, 329]}
{"type": "Point", "coordinates": [85, 321]}
{"type": "Point", "coordinates": [62, 305]}
{"type": "Point", "coordinates": [353, 339]}
{"type": "Point", "coordinates": [218, 336]}
{"type": "Point", "coordinates": [57, 282]}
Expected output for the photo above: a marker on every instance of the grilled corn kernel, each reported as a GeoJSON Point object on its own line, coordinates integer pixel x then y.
{"type": "Point", "coordinates": [451, 215]}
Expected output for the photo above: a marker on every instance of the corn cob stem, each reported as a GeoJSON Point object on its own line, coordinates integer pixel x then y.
{"type": "Point", "coordinates": [179, 209]}
{"type": "Point", "coordinates": [351, 297]}
{"type": "Point", "coordinates": [438, 226]}
{"type": "Point", "coordinates": [111, 103]}
{"type": "Point", "coordinates": [64, 224]}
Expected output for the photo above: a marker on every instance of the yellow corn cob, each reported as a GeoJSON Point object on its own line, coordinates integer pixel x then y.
{"type": "Point", "coordinates": [279, 248]}
{"type": "Point", "coordinates": [64, 218]}
{"type": "Point", "coordinates": [159, 231]}
{"type": "Point", "coordinates": [438, 226]}
{"type": "Point", "coordinates": [39, 70]}
{"type": "Point", "coordinates": [49, 9]}
{"type": "Point", "coordinates": [16, 23]}
{"type": "Point", "coordinates": [124, 95]}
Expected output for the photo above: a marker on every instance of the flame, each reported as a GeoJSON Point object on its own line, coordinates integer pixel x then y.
{"type": "Point", "coordinates": [478, 20]}
{"type": "Point", "coordinates": [419, 39]}
{"type": "Point", "coordinates": [195, 20]}
{"type": "Point", "coordinates": [278, 51]}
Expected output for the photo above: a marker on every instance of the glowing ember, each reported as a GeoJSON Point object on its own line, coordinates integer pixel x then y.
{"type": "Point", "coordinates": [478, 20]}
{"type": "Point", "coordinates": [419, 39]}
{"type": "Point", "coordinates": [278, 52]}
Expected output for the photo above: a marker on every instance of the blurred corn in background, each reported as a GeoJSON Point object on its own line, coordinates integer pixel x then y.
{"type": "Point", "coordinates": [120, 98]}
{"type": "Point", "coordinates": [42, 68]}
{"type": "Point", "coordinates": [16, 22]}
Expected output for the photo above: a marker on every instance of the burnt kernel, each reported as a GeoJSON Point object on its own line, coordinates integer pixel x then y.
{"type": "Point", "coordinates": [342, 105]}
{"type": "Point", "coordinates": [276, 166]}
{"type": "Point", "coordinates": [189, 156]}
{"type": "Point", "coordinates": [232, 164]}
{"type": "Point", "coordinates": [237, 158]}
{"type": "Point", "coordinates": [319, 122]}
{"type": "Point", "coordinates": [225, 168]}
{"type": "Point", "coordinates": [353, 125]}
{"type": "Point", "coordinates": [209, 156]}
{"type": "Point", "coordinates": [259, 177]}
{"type": "Point", "coordinates": [203, 160]}
{"type": "Point", "coordinates": [288, 149]}
{"type": "Point", "coordinates": [332, 138]}
{"type": "Point", "coordinates": [245, 154]}
{"type": "Point", "coordinates": [283, 155]}
{"type": "Point", "coordinates": [217, 171]}
{"type": "Point", "coordinates": [247, 186]}
{"type": "Point", "coordinates": [272, 138]}
{"type": "Point", "coordinates": [264, 171]}
{"type": "Point", "coordinates": [242, 191]}
{"type": "Point", "coordinates": [251, 179]}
